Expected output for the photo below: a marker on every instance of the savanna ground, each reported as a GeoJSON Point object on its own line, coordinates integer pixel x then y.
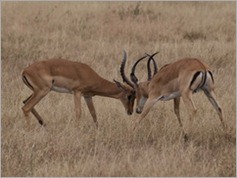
{"type": "Point", "coordinates": [97, 33]}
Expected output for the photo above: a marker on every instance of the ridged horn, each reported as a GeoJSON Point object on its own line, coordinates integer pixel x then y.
{"type": "Point", "coordinates": [132, 75]}
{"type": "Point", "coordinates": [149, 67]}
{"type": "Point", "coordinates": [122, 67]}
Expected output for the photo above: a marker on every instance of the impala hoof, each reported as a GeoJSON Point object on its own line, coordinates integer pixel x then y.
{"type": "Point", "coordinates": [138, 111]}
{"type": "Point", "coordinates": [185, 137]}
{"type": "Point", "coordinates": [129, 112]}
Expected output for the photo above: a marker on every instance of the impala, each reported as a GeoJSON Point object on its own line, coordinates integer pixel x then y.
{"type": "Point", "coordinates": [75, 78]}
{"type": "Point", "coordinates": [173, 81]}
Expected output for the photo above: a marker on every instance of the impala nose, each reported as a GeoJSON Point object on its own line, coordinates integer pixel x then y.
{"type": "Point", "coordinates": [138, 111]}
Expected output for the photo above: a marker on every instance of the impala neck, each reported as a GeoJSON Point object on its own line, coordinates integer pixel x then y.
{"type": "Point", "coordinates": [108, 89]}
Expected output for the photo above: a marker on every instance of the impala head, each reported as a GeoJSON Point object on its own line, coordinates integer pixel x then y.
{"type": "Point", "coordinates": [128, 94]}
{"type": "Point", "coordinates": [141, 88]}
{"type": "Point", "coordinates": [127, 97]}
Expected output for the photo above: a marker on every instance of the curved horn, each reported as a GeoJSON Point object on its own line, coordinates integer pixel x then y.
{"type": "Point", "coordinates": [132, 75]}
{"type": "Point", "coordinates": [148, 65]}
{"type": "Point", "coordinates": [125, 79]}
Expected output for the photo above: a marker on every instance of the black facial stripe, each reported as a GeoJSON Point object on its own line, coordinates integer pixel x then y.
{"type": "Point", "coordinates": [131, 97]}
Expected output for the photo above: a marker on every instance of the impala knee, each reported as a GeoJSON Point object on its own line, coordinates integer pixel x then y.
{"type": "Point", "coordinates": [25, 111]}
{"type": "Point", "coordinates": [193, 114]}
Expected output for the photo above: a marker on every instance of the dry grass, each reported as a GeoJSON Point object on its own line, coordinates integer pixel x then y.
{"type": "Point", "coordinates": [96, 33]}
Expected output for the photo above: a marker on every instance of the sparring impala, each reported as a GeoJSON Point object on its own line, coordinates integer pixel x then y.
{"type": "Point", "coordinates": [75, 78]}
{"type": "Point", "coordinates": [173, 81]}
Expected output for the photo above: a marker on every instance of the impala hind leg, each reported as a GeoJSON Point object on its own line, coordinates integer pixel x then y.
{"type": "Point", "coordinates": [91, 107]}
{"type": "Point", "coordinates": [31, 102]}
{"type": "Point", "coordinates": [177, 113]}
{"type": "Point", "coordinates": [77, 101]}
{"type": "Point", "coordinates": [35, 113]}
{"type": "Point", "coordinates": [212, 98]}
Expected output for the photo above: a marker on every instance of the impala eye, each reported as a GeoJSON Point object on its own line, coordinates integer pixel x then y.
{"type": "Point", "coordinates": [129, 97]}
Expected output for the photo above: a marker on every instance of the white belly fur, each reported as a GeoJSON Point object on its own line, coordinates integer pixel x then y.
{"type": "Point", "coordinates": [61, 89]}
{"type": "Point", "coordinates": [170, 96]}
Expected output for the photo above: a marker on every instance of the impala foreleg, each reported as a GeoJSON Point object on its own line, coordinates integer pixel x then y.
{"type": "Point", "coordinates": [177, 113]}
{"type": "Point", "coordinates": [91, 107]}
{"type": "Point", "coordinates": [148, 105]}
{"type": "Point", "coordinates": [77, 101]}
{"type": "Point", "coordinates": [176, 110]}
{"type": "Point", "coordinates": [188, 101]}
{"type": "Point", "coordinates": [212, 98]}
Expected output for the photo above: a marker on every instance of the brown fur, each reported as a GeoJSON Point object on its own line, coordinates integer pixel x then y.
{"type": "Point", "coordinates": [172, 82]}
{"type": "Point", "coordinates": [71, 77]}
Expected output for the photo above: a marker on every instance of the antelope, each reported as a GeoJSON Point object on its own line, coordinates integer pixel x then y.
{"type": "Point", "coordinates": [75, 78]}
{"type": "Point", "coordinates": [173, 81]}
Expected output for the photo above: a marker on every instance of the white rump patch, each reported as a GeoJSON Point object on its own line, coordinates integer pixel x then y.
{"type": "Point", "coordinates": [197, 82]}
